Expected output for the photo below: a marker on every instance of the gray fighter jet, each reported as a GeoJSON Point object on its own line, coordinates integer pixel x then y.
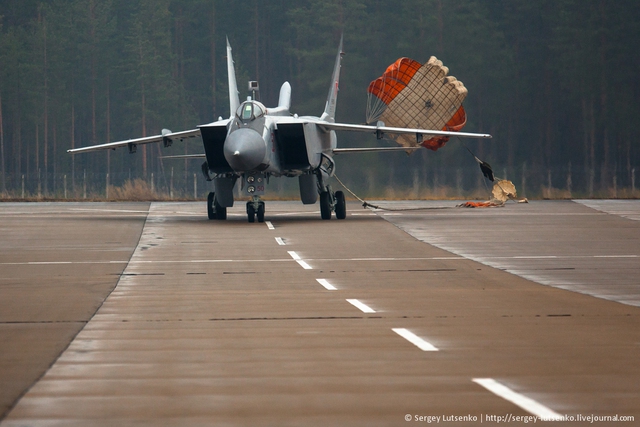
{"type": "Point", "coordinates": [257, 143]}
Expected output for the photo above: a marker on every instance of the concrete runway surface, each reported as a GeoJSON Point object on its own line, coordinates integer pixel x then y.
{"type": "Point", "coordinates": [150, 314]}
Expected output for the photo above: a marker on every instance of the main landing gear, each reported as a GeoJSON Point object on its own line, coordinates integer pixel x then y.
{"type": "Point", "coordinates": [329, 201]}
{"type": "Point", "coordinates": [214, 210]}
{"type": "Point", "coordinates": [332, 202]}
{"type": "Point", "coordinates": [255, 208]}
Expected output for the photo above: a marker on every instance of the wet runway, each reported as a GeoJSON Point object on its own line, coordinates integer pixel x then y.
{"type": "Point", "coordinates": [556, 243]}
{"type": "Point", "coordinates": [161, 317]}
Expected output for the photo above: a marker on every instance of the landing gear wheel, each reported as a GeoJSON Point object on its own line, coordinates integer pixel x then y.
{"type": "Point", "coordinates": [251, 212]}
{"type": "Point", "coordinates": [211, 213]}
{"type": "Point", "coordinates": [260, 213]}
{"type": "Point", "coordinates": [221, 213]}
{"type": "Point", "coordinates": [341, 205]}
{"type": "Point", "coordinates": [325, 205]}
{"type": "Point", "coordinates": [214, 210]}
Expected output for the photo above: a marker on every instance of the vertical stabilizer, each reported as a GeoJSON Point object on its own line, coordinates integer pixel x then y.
{"type": "Point", "coordinates": [234, 101]}
{"type": "Point", "coordinates": [330, 108]}
{"type": "Point", "coordinates": [284, 101]}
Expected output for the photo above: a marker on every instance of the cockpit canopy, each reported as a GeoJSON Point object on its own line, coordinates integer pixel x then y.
{"type": "Point", "coordinates": [250, 110]}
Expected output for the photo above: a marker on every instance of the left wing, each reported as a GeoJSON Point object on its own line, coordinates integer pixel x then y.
{"type": "Point", "coordinates": [167, 137]}
{"type": "Point", "coordinates": [381, 130]}
{"type": "Point", "coordinates": [374, 149]}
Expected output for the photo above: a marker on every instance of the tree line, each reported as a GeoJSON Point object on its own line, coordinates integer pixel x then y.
{"type": "Point", "coordinates": [554, 81]}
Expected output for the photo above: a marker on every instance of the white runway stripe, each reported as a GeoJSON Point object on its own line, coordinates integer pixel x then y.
{"type": "Point", "coordinates": [414, 339]}
{"type": "Point", "coordinates": [363, 307]}
{"type": "Point", "coordinates": [328, 286]}
{"type": "Point", "coordinates": [299, 260]}
{"type": "Point", "coordinates": [518, 399]}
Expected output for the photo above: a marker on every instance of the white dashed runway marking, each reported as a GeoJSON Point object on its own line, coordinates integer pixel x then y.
{"type": "Point", "coordinates": [414, 339]}
{"type": "Point", "coordinates": [518, 399]}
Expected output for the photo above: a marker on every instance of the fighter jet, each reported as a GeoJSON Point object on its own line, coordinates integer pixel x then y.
{"type": "Point", "coordinates": [256, 143]}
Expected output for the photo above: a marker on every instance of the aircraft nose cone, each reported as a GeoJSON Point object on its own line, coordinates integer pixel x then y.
{"type": "Point", "coordinates": [244, 149]}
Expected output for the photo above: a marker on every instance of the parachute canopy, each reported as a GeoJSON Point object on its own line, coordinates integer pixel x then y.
{"type": "Point", "coordinates": [413, 95]}
{"type": "Point", "coordinates": [502, 192]}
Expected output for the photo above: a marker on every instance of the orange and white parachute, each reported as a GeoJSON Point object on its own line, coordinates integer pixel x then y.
{"type": "Point", "coordinates": [413, 95]}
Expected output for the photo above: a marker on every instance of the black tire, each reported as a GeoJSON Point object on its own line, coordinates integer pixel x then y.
{"type": "Point", "coordinates": [260, 213]}
{"type": "Point", "coordinates": [341, 205]}
{"type": "Point", "coordinates": [251, 213]}
{"type": "Point", "coordinates": [221, 213]}
{"type": "Point", "coordinates": [211, 213]}
{"type": "Point", "coordinates": [325, 205]}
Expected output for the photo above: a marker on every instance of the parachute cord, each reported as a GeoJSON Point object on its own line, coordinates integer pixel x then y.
{"type": "Point", "coordinates": [375, 108]}
{"type": "Point", "coordinates": [485, 167]}
{"type": "Point", "coordinates": [366, 204]}
{"type": "Point", "coordinates": [496, 179]}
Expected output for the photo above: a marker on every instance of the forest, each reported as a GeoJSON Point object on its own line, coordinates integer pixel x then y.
{"type": "Point", "coordinates": [554, 81]}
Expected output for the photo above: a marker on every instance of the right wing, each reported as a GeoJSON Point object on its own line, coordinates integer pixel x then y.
{"type": "Point", "coordinates": [167, 137]}
{"type": "Point", "coordinates": [185, 156]}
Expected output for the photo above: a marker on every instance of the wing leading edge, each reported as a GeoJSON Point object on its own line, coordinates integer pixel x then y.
{"type": "Point", "coordinates": [378, 130]}
{"type": "Point", "coordinates": [167, 137]}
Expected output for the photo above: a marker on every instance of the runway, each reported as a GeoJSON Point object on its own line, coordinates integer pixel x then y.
{"type": "Point", "coordinates": [149, 314]}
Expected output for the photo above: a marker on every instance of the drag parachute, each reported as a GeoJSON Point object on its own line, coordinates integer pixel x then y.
{"type": "Point", "coordinates": [413, 95]}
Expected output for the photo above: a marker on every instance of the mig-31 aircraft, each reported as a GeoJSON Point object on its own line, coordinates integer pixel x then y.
{"type": "Point", "coordinates": [256, 143]}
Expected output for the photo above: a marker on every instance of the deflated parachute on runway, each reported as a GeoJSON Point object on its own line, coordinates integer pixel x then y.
{"type": "Point", "coordinates": [503, 191]}
{"type": "Point", "coordinates": [413, 95]}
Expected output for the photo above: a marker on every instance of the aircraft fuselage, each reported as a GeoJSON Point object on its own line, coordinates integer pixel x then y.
{"type": "Point", "coordinates": [255, 143]}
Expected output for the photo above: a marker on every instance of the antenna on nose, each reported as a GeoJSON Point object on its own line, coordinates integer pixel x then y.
{"type": "Point", "coordinates": [254, 88]}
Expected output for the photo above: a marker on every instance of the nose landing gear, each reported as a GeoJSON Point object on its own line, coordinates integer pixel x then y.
{"type": "Point", "coordinates": [255, 208]}
{"type": "Point", "coordinates": [254, 186]}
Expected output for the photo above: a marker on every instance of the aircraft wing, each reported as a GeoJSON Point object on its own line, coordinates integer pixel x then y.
{"type": "Point", "coordinates": [373, 149]}
{"type": "Point", "coordinates": [167, 137]}
{"type": "Point", "coordinates": [185, 156]}
{"type": "Point", "coordinates": [380, 130]}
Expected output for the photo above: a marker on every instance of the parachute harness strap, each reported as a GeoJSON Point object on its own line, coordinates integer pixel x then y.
{"type": "Point", "coordinates": [366, 204]}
